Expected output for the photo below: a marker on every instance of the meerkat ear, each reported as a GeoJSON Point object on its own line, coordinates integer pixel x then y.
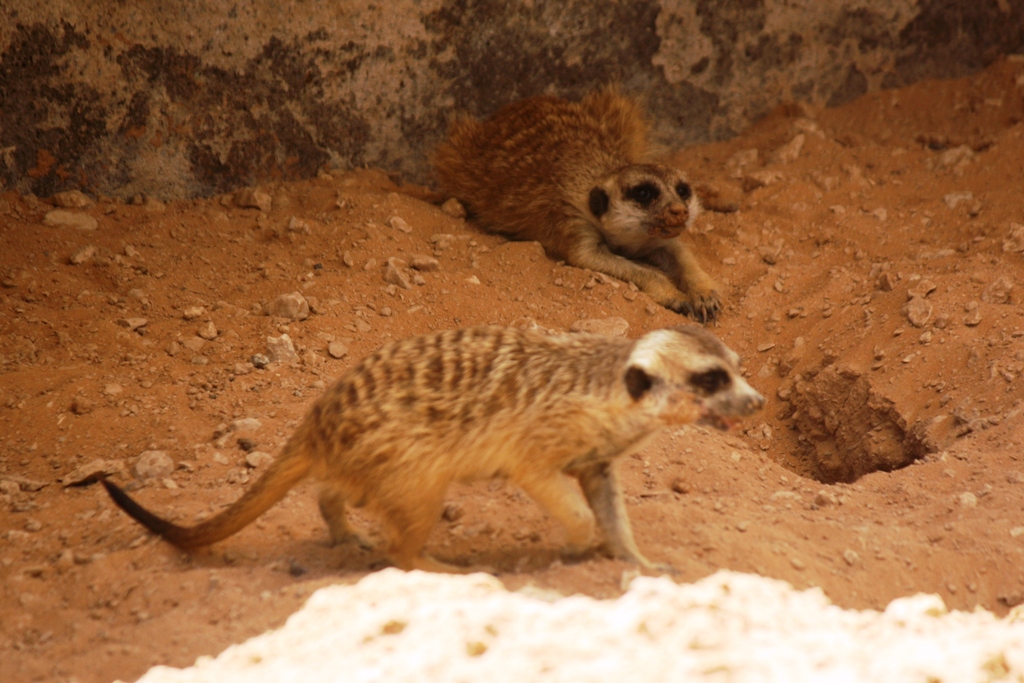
{"type": "Point", "coordinates": [638, 382]}
{"type": "Point", "coordinates": [598, 202]}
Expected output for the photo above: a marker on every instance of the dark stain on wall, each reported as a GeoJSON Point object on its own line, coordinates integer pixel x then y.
{"type": "Point", "coordinates": [252, 108]}
{"type": "Point", "coordinates": [35, 99]}
{"type": "Point", "coordinates": [507, 50]}
{"type": "Point", "coordinates": [173, 100]}
{"type": "Point", "coordinates": [951, 39]}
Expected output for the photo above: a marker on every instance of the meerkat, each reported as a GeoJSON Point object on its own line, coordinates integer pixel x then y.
{"type": "Point", "coordinates": [549, 413]}
{"type": "Point", "coordinates": [578, 177]}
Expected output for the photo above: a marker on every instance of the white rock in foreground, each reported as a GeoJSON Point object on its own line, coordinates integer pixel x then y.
{"type": "Point", "coordinates": [396, 626]}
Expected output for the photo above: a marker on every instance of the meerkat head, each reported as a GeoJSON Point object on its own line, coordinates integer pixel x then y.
{"type": "Point", "coordinates": [689, 375]}
{"type": "Point", "coordinates": [639, 205]}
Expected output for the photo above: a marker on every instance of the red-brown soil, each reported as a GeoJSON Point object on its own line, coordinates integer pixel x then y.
{"type": "Point", "coordinates": [872, 281]}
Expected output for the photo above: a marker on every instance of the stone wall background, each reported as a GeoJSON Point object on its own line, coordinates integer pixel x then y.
{"type": "Point", "coordinates": [197, 97]}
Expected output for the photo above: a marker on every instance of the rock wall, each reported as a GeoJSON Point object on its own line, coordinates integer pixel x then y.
{"type": "Point", "coordinates": [199, 97]}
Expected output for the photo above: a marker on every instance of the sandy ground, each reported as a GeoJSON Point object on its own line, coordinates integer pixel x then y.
{"type": "Point", "coordinates": [872, 283]}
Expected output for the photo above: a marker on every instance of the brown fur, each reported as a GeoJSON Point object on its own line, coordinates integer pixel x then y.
{"type": "Point", "coordinates": [532, 170]}
{"type": "Point", "coordinates": [550, 413]}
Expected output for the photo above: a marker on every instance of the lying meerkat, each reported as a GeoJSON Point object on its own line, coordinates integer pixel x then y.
{"type": "Point", "coordinates": [550, 413]}
{"type": "Point", "coordinates": [578, 178]}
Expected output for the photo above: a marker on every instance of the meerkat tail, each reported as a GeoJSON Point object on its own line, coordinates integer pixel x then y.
{"type": "Point", "coordinates": [282, 475]}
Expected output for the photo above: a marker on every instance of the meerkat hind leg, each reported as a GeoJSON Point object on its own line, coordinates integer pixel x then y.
{"type": "Point", "coordinates": [408, 524]}
{"type": "Point", "coordinates": [332, 509]}
{"type": "Point", "coordinates": [600, 485]}
{"type": "Point", "coordinates": [560, 497]}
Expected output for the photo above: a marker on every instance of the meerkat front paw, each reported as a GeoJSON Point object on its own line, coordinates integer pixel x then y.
{"type": "Point", "coordinates": [703, 305]}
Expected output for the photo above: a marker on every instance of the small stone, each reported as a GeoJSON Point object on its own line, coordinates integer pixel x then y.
{"type": "Point", "coordinates": [153, 465]}
{"type": "Point", "coordinates": [921, 290]}
{"type": "Point", "coordinates": [208, 331]}
{"type": "Point", "coordinates": [789, 151]}
{"type": "Point", "coordinates": [80, 405]}
{"type": "Point", "coordinates": [968, 500]}
{"type": "Point", "coordinates": [611, 327]}
{"type": "Point", "coordinates": [246, 444]}
{"type": "Point", "coordinates": [194, 344]}
{"type": "Point", "coordinates": [173, 349]}
{"type": "Point", "coordinates": [824, 498]}
{"type": "Point", "coordinates": [250, 198]}
{"type": "Point", "coordinates": [93, 471]}
{"type": "Point", "coordinates": [680, 486]}
{"type": "Point", "coordinates": [454, 208]}
{"type": "Point", "coordinates": [851, 557]}
{"type": "Point", "coordinates": [797, 563]}
{"type": "Point", "coordinates": [956, 156]}
{"type": "Point", "coordinates": [193, 312]}
{"type": "Point", "coordinates": [762, 178]}
{"type": "Point", "coordinates": [954, 198]}
{"type": "Point", "coordinates": [280, 349]}
{"type": "Point", "coordinates": [740, 160]}
{"type": "Point", "coordinates": [65, 561]}
{"type": "Point", "coordinates": [292, 306]}
{"type": "Point", "coordinates": [72, 199]}
{"type": "Point", "coordinates": [399, 223]}
{"type": "Point", "coordinates": [770, 252]}
{"type": "Point", "coordinates": [394, 275]}
{"type": "Point", "coordinates": [255, 459]}
{"type": "Point", "coordinates": [998, 292]}
{"type": "Point", "coordinates": [245, 424]}
{"type": "Point", "coordinates": [112, 389]}
{"type": "Point", "coordinates": [452, 512]}
{"type": "Point", "coordinates": [1014, 241]}
{"type": "Point", "coordinates": [472, 280]}
{"type": "Point", "coordinates": [131, 252]}
{"type": "Point", "coordinates": [348, 259]}
{"type": "Point", "coordinates": [59, 218]}
{"type": "Point", "coordinates": [973, 316]}
{"type": "Point", "coordinates": [82, 255]}
{"type": "Point", "coordinates": [132, 324]}
{"type": "Point", "coordinates": [424, 263]}
{"type": "Point", "coordinates": [918, 312]}
{"type": "Point", "coordinates": [299, 225]}
{"type": "Point", "coordinates": [337, 350]}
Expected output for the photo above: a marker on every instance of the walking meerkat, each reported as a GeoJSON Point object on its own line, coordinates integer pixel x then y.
{"type": "Point", "coordinates": [578, 177]}
{"type": "Point", "coordinates": [549, 413]}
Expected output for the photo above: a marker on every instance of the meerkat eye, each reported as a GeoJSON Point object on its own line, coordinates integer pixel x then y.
{"type": "Point", "coordinates": [711, 381]}
{"type": "Point", "coordinates": [684, 191]}
{"type": "Point", "coordinates": [643, 194]}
